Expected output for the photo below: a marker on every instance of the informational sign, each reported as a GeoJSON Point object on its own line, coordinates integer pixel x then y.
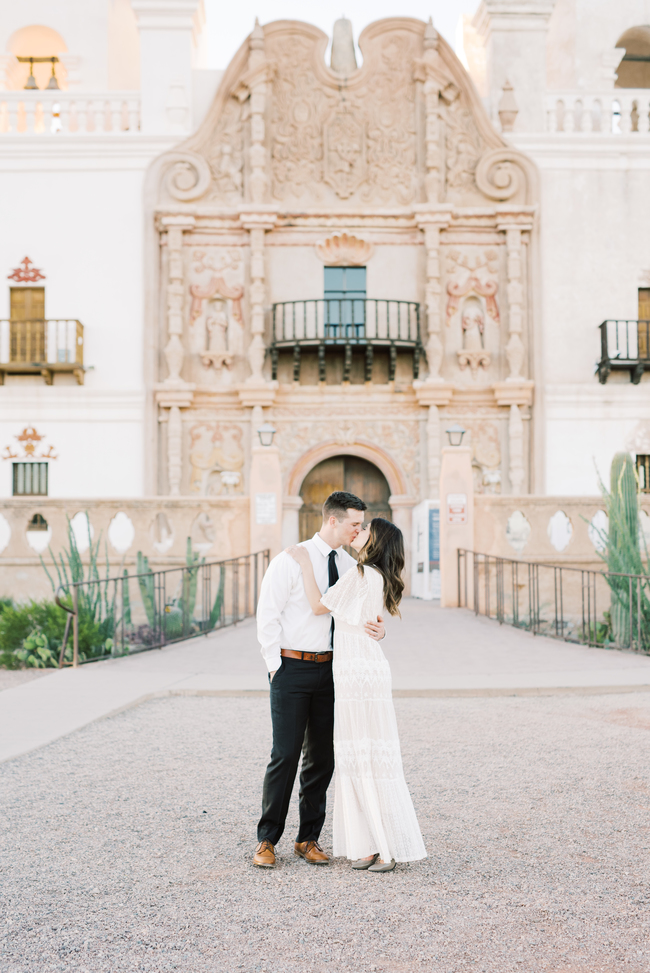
{"type": "Point", "coordinates": [456, 508]}
{"type": "Point", "coordinates": [266, 508]}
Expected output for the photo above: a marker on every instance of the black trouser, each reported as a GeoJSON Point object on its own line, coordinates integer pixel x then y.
{"type": "Point", "coordinates": [302, 712]}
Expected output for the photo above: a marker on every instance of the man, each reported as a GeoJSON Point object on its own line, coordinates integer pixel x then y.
{"type": "Point", "coordinates": [297, 648]}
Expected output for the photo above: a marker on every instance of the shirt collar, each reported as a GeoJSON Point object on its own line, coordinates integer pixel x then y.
{"type": "Point", "coordinates": [322, 547]}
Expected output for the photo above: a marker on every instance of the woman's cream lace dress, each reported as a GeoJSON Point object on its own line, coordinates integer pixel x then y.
{"type": "Point", "coordinates": [373, 811]}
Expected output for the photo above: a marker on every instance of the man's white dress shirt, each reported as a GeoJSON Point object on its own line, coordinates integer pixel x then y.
{"type": "Point", "coordinates": [284, 616]}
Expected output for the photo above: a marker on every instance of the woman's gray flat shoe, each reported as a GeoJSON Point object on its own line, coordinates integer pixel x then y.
{"type": "Point", "coordinates": [383, 866]}
{"type": "Point", "coordinates": [365, 862]}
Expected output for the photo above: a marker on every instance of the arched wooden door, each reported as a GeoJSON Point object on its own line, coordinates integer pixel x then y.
{"type": "Point", "coordinates": [349, 473]}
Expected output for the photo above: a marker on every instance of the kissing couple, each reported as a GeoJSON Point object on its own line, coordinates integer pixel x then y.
{"type": "Point", "coordinates": [319, 623]}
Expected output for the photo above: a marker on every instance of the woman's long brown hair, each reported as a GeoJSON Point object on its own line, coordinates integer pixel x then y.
{"type": "Point", "coordinates": [384, 550]}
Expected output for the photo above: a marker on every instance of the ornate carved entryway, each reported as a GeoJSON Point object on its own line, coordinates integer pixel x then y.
{"type": "Point", "coordinates": [349, 473]}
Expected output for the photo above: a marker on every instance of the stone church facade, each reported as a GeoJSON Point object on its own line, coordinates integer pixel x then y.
{"type": "Point", "coordinates": [350, 255]}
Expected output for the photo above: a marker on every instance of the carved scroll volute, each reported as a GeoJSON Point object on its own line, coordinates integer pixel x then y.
{"type": "Point", "coordinates": [505, 175]}
{"type": "Point", "coordinates": [186, 176]}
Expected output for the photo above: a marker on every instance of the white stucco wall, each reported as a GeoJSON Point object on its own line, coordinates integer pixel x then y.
{"type": "Point", "coordinates": [75, 208]}
{"type": "Point", "coordinates": [595, 247]}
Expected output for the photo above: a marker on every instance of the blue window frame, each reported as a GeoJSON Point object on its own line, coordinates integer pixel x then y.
{"type": "Point", "coordinates": [345, 302]}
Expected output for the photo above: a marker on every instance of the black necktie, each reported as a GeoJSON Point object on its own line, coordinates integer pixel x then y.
{"type": "Point", "coordinates": [333, 578]}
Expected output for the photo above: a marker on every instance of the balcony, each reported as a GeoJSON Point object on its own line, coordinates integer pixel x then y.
{"type": "Point", "coordinates": [60, 113]}
{"type": "Point", "coordinates": [619, 111]}
{"type": "Point", "coordinates": [624, 346]}
{"type": "Point", "coordinates": [339, 325]}
{"type": "Point", "coordinates": [42, 348]}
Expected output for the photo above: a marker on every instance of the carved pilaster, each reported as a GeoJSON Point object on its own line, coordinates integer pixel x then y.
{"type": "Point", "coordinates": [433, 158]}
{"type": "Point", "coordinates": [257, 66]}
{"type": "Point", "coordinates": [515, 352]}
{"type": "Point", "coordinates": [516, 450]}
{"type": "Point", "coordinates": [174, 352]}
{"type": "Point", "coordinates": [174, 450]}
{"type": "Point", "coordinates": [431, 222]}
{"type": "Point", "coordinates": [257, 223]}
{"type": "Point", "coordinates": [434, 396]}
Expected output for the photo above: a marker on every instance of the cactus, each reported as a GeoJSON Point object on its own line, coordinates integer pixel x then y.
{"type": "Point", "coordinates": [146, 583]}
{"type": "Point", "coordinates": [623, 553]}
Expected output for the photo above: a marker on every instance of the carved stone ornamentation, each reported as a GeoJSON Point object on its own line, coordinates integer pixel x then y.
{"type": "Point", "coordinates": [188, 176]}
{"type": "Point", "coordinates": [342, 250]}
{"type": "Point", "coordinates": [475, 360]}
{"type": "Point", "coordinates": [345, 166]}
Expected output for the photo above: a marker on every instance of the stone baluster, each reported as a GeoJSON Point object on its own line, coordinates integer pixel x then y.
{"type": "Point", "coordinates": [644, 116]}
{"type": "Point", "coordinates": [257, 223]}
{"type": "Point", "coordinates": [569, 120]}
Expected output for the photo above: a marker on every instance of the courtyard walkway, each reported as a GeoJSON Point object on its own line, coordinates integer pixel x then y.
{"type": "Point", "coordinates": [125, 846]}
{"type": "Point", "coordinates": [432, 651]}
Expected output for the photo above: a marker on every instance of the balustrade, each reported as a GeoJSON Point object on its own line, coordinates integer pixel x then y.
{"type": "Point", "coordinates": [59, 113]}
{"type": "Point", "coordinates": [619, 111]}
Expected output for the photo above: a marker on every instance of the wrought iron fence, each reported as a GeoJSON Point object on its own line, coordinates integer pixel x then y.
{"type": "Point", "coordinates": [136, 612]}
{"type": "Point", "coordinates": [596, 608]}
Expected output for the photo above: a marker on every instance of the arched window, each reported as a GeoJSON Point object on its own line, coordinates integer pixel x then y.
{"type": "Point", "coordinates": [36, 41]}
{"type": "Point", "coordinates": [634, 69]}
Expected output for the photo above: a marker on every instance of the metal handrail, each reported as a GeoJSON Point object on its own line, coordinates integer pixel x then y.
{"type": "Point", "coordinates": [557, 600]}
{"type": "Point", "coordinates": [624, 345]}
{"type": "Point", "coordinates": [194, 603]}
{"type": "Point", "coordinates": [346, 320]}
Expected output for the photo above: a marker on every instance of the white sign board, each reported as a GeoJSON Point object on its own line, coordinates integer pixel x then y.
{"type": "Point", "coordinates": [456, 508]}
{"type": "Point", "coordinates": [266, 508]}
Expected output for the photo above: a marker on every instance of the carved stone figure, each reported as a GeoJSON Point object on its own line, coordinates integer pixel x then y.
{"type": "Point", "coordinates": [473, 328]}
{"type": "Point", "coordinates": [217, 353]}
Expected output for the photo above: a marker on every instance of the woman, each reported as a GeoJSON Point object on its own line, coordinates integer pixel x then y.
{"type": "Point", "coordinates": [374, 819]}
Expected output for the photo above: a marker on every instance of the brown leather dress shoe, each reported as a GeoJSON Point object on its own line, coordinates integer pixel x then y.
{"type": "Point", "coordinates": [264, 855]}
{"type": "Point", "coordinates": [311, 851]}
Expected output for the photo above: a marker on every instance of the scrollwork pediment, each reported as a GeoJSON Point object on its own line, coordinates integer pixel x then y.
{"type": "Point", "coordinates": [323, 139]}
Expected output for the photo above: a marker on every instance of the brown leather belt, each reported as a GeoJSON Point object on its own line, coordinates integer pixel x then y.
{"type": "Point", "coordinates": [307, 656]}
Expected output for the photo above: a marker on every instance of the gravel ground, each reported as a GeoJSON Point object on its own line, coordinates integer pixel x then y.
{"type": "Point", "coordinates": [127, 846]}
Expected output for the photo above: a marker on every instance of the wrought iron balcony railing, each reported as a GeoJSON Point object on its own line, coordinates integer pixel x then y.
{"type": "Point", "coordinates": [346, 323]}
{"type": "Point", "coordinates": [42, 347]}
{"type": "Point", "coordinates": [624, 346]}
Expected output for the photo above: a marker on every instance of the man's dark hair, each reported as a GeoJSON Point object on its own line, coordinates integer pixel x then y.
{"type": "Point", "coordinates": [338, 504]}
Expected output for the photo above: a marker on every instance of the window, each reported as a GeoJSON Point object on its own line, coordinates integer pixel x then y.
{"type": "Point", "coordinates": [634, 69]}
{"type": "Point", "coordinates": [345, 301]}
{"type": "Point", "coordinates": [643, 472]}
{"type": "Point", "coordinates": [30, 479]}
{"type": "Point", "coordinates": [643, 326]}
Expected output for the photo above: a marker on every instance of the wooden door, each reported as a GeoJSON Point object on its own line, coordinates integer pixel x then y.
{"type": "Point", "coordinates": [644, 322]}
{"type": "Point", "coordinates": [27, 303]}
{"type": "Point", "coordinates": [348, 473]}
{"type": "Point", "coordinates": [27, 328]}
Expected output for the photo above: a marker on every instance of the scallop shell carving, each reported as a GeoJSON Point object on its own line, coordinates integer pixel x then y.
{"type": "Point", "coordinates": [343, 250]}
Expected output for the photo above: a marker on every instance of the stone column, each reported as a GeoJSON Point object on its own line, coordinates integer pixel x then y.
{"type": "Point", "coordinates": [401, 506]}
{"type": "Point", "coordinates": [257, 221]}
{"type": "Point", "coordinates": [515, 397]}
{"type": "Point", "coordinates": [516, 449]}
{"type": "Point", "coordinates": [432, 80]}
{"type": "Point", "coordinates": [434, 396]}
{"type": "Point", "coordinates": [514, 349]}
{"type": "Point", "coordinates": [456, 518]}
{"type": "Point", "coordinates": [257, 154]}
{"type": "Point", "coordinates": [291, 520]}
{"type": "Point", "coordinates": [174, 393]}
{"type": "Point", "coordinates": [431, 220]}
